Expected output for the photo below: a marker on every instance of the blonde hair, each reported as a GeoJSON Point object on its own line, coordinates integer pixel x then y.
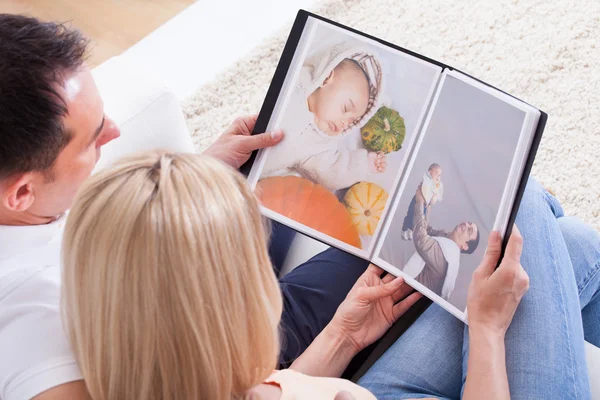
{"type": "Point", "coordinates": [168, 288]}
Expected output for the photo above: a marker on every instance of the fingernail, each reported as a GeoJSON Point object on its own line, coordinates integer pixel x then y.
{"type": "Point", "coordinates": [276, 135]}
{"type": "Point", "coordinates": [494, 237]}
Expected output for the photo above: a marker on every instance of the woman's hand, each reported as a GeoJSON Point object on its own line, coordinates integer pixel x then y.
{"type": "Point", "coordinates": [494, 294]}
{"type": "Point", "coordinates": [237, 143]}
{"type": "Point", "coordinates": [371, 307]}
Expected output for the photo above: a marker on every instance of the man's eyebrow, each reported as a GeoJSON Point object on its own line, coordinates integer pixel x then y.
{"type": "Point", "coordinates": [97, 132]}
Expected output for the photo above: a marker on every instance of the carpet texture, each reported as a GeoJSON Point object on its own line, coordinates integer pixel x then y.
{"type": "Point", "coordinates": [546, 53]}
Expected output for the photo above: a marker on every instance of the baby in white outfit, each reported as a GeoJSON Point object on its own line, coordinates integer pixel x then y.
{"type": "Point", "coordinates": [432, 189]}
{"type": "Point", "coordinates": [338, 88]}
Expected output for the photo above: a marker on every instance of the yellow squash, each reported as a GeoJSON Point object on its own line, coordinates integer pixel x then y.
{"type": "Point", "coordinates": [365, 202]}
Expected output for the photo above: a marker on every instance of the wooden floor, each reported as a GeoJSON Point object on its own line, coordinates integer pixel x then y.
{"type": "Point", "coordinates": [112, 25]}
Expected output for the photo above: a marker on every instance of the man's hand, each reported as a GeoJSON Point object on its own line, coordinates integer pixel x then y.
{"type": "Point", "coordinates": [237, 143]}
{"type": "Point", "coordinates": [371, 307]}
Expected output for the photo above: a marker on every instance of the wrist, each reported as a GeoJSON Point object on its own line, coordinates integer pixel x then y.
{"type": "Point", "coordinates": [341, 341]}
{"type": "Point", "coordinates": [489, 334]}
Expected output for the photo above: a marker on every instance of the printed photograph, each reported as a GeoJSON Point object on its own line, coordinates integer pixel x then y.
{"type": "Point", "coordinates": [438, 227]}
{"type": "Point", "coordinates": [349, 114]}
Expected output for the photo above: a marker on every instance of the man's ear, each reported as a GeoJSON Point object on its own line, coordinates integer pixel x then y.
{"type": "Point", "coordinates": [18, 194]}
{"type": "Point", "coordinates": [327, 80]}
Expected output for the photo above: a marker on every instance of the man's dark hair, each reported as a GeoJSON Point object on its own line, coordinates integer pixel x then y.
{"type": "Point", "coordinates": [35, 59]}
{"type": "Point", "coordinates": [472, 244]}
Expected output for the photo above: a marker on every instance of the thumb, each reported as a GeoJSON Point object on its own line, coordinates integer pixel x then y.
{"type": "Point", "coordinates": [492, 255]}
{"type": "Point", "coordinates": [262, 140]}
{"type": "Point", "coordinates": [373, 293]}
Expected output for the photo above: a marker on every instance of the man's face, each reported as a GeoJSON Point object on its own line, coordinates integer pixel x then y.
{"type": "Point", "coordinates": [90, 129]}
{"type": "Point", "coordinates": [465, 232]}
{"type": "Point", "coordinates": [342, 99]}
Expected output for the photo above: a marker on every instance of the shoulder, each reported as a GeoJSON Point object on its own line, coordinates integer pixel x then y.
{"type": "Point", "coordinates": [297, 385]}
{"type": "Point", "coordinates": [35, 351]}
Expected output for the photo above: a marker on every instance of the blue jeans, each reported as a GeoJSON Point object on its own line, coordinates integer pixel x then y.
{"type": "Point", "coordinates": [545, 355]}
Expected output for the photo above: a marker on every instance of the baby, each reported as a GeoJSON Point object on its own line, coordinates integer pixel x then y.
{"type": "Point", "coordinates": [432, 190]}
{"type": "Point", "coordinates": [338, 88]}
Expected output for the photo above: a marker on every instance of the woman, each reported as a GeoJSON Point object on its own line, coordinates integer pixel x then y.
{"type": "Point", "coordinates": [169, 292]}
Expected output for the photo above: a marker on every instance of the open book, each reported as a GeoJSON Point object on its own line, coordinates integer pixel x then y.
{"type": "Point", "coordinates": [391, 156]}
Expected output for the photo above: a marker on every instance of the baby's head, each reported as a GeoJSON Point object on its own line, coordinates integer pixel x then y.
{"type": "Point", "coordinates": [435, 170]}
{"type": "Point", "coordinates": [342, 98]}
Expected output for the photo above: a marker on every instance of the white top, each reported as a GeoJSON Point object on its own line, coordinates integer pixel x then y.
{"type": "Point", "coordinates": [313, 154]}
{"type": "Point", "coordinates": [430, 187]}
{"type": "Point", "coordinates": [34, 351]}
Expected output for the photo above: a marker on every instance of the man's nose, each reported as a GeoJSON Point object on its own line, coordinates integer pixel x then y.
{"type": "Point", "coordinates": [112, 131]}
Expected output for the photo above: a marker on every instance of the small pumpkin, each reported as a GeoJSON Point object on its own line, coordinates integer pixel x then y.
{"type": "Point", "coordinates": [385, 131]}
{"type": "Point", "coordinates": [309, 204]}
{"type": "Point", "coordinates": [365, 202]}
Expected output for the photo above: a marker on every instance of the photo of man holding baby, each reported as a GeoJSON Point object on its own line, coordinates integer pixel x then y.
{"type": "Point", "coordinates": [446, 206]}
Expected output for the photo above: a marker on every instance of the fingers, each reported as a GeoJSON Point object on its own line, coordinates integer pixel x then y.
{"type": "Point", "coordinates": [403, 306]}
{"type": "Point", "coordinates": [402, 292]}
{"type": "Point", "coordinates": [380, 161]}
{"type": "Point", "coordinates": [388, 278]}
{"type": "Point", "coordinates": [247, 122]}
{"type": "Point", "coordinates": [375, 270]}
{"type": "Point", "coordinates": [372, 293]}
{"type": "Point", "coordinates": [262, 140]}
{"type": "Point", "coordinates": [492, 254]}
{"type": "Point", "coordinates": [515, 246]}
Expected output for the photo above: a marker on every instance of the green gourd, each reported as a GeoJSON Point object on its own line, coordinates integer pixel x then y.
{"type": "Point", "coordinates": [385, 131]}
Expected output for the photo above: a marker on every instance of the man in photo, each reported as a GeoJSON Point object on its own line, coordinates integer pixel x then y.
{"type": "Point", "coordinates": [338, 88]}
{"type": "Point", "coordinates": [437, 259]}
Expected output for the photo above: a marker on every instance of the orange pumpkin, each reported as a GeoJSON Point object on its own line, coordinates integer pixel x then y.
{"type": "Point", "coordinates": [309, 204]}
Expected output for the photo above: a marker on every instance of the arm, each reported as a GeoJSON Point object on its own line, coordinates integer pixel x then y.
{"type": "Point", "coordinates": [328, 355]}
{"type": "Point", "coordinates": [36, 356]}
{"type": "Point", "coordinates": [427, 247]}
{"type": "Point", "coordinates": [371, 307]}
{"type": "Point", "coordinates": [435, 232]}
{"type": "Point", "coordinates": [337, 169]}
{"type": "Point", "coordinates": [494, 295]}
{"type": "Point", "coordinates": [73, 390]}
{"type": "Point", "coordinates": [486, 377]}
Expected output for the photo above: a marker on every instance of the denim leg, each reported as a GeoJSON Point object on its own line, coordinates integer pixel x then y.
{"type": "Point", "coordinates": [583, 243]}
{"type": "Point", "coordinates": [545, 344]}
{"type": "Point", "coordinates": [408, 219]}
{"type": "Point", "coordinates": [424, 362]}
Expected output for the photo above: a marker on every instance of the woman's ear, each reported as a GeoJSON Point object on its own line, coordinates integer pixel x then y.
{"type": "Point", "coordinates": [18, 195]}
{"type": "Point", "coordinates": [327, 80]}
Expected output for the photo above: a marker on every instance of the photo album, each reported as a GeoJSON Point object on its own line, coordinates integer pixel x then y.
{"type": "Point", "coordinates": [391, 156]}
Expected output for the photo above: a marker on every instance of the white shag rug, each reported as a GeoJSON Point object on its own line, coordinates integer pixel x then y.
{"type": "Point", "coordinates": [544, 52]}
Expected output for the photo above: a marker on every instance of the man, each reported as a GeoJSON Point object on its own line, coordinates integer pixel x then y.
{"type": "Point", "coordinates": [52, 128]}
{"type": "Point", "coordinates": [438, 252]}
